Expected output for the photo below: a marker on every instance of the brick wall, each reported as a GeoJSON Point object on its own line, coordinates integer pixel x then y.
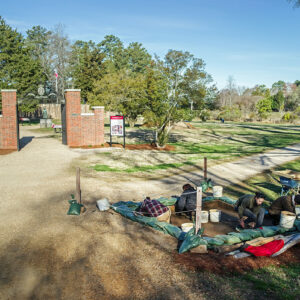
{"type": "Point", "coordinates": [83, 129]}
{"type": "Point", "coordinates": [8, 120]}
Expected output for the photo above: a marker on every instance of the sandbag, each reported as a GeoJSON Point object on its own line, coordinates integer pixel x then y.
{"type": "Point", "coordinates": [297, 224]}
{"type": "Point", "coordinates": [74, 208]}
{"type": "Point", "coordinates": [213, 241]}
{"type": "Point", "coordinates": [243, 236]}
{"type": "Point", "coordinates": [228, 239]}
{"type": "Point", "coordinates": [192, 240]}
{"type": "Point", "coordinates": [254, 233]}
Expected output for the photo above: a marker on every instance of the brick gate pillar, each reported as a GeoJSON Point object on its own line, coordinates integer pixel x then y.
{"type": "Point", "coordinates": [8, 120]}
{"type": "Point", "coordinates": [73, 117]}
{"type": "Point", "coordinates": [99, 124]}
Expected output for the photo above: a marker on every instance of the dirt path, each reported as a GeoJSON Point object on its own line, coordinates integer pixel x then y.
{"type": "Point", "coordinates": [45, 254]}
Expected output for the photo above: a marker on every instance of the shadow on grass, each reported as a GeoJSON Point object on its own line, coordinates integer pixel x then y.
{"type": "Point", "coordinates": [269, 186]}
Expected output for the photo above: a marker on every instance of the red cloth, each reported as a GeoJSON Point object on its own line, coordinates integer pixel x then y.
{"type": "Point", "coordinates": [267, 249]}
{"type": "Point", "coordinates": [152, 208]}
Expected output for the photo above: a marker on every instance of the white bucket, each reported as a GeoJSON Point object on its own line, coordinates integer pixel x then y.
{"type": "Point", "coordinates": [217, 191]}
{"type": "Point", "coordinates": [186, 227]}
{"type": "Point", "coordinates": [215, 215]}
{"type": "Point", "coordinates": [287, 219]}
{"type": "Point", "coordinates": [297, 211]}
{"type": "Point", "coordinates": [204, 216]}
{"type": "Point", "coordinates": [103, 204]}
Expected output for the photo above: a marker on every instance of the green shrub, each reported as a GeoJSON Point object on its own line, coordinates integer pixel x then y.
{"type": "Point", "coordinates": [264, 106]}
{"type": "Point", "coordinates": [204, 115]}
{"type": "Point", "coordinates": [297, 111]}
{"type": "Point", "coordinates": [231, 113]}
{"type": "Point", "coordinates": [289, 117]}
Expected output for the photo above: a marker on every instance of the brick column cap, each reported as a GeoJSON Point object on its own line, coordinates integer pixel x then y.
{"type": "Point", "coordinates": [8, 90]}
{"type": "Point", "coordinates": [95, 107]}
{"type": "Point", "coordinates": [73, 90]}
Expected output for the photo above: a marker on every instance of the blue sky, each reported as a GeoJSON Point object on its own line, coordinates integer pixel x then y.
{"type": "Point", "coordinates": [255, 41]}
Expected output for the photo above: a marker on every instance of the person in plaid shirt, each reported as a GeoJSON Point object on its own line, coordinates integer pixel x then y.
{"type": "Point", "coordinates": [152, 208]}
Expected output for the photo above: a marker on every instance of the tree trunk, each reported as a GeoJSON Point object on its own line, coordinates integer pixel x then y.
{"type": "Point", "coordinates": [131, 123]}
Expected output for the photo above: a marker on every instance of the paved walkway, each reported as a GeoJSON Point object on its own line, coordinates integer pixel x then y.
{"type": "Point", "coordinates": [241, 169]}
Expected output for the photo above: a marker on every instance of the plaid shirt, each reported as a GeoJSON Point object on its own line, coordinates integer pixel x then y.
{"type": "Point", "coordinates": [152, 208]}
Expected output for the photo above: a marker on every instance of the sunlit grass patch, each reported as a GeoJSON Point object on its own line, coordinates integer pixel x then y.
{"type": "Point", "coordinates": [283, 282]}
{"type": "Point", "coordinates": [147, 168]}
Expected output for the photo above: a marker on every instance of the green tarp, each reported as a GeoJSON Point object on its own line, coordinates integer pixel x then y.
{"type": "Point", "coordinates": [190, 240]}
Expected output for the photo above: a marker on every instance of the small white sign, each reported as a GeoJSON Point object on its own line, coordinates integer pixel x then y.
{"type": "Point", "coordinates": [117, 125]}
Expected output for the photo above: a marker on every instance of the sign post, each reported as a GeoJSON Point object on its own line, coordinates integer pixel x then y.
{"type": "Point", "coordinates": [205, 168]}
{"type": "Point", "coordinates": [117, 128]}
{"type": "Point", "coordinates": [198, 209]}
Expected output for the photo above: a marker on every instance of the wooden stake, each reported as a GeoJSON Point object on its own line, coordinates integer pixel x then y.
{"type": "Point", "coordinates": [205, 168]}
{"type": "Point", "coordinates": [78, 190]}
{"type": "Point", "coordinates": [198, 209]}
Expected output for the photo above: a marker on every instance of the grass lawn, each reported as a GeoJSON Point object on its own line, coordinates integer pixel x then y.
{"type": "Point", "coordinates": [272, 282]}
{"type": "Point", "coordinates": [216, 141]}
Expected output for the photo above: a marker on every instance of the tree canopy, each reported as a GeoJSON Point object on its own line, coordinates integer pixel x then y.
{"type": "Point", "coordinates": [128, 80]}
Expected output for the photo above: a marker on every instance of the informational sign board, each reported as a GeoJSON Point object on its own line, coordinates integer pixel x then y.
{"type": "Point", "coordinates": [117, 125]}
{"type": "Point", "coordinates": [117, 128]}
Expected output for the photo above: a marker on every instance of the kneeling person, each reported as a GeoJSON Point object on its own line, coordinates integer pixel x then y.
{"type": "Point", "coordinates": [283, 203]}
{"type": "Point", "coordinates": [187, 200]}
{"type": "Point", "coordinates": [153, 208]}
{"type": "Point", "coordinates": [250, 210]}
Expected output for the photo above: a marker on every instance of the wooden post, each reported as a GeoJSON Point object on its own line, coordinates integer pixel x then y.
{"type": "Point", "coordinates": [198, 209]}
{"type": "Point", "coordinates": [205, 168]}
{"type": "Point", "coordinates": [78, 190]}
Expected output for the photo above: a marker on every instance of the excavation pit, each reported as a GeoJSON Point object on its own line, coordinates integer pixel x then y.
{"type": "Point", "coordinates": [228, 221]}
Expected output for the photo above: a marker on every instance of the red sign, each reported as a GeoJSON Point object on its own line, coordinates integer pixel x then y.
{"type": "Point", "coordinates": [116, 117]}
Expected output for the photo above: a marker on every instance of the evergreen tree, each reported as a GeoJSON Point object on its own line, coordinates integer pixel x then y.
{"type": "Point", "coordinates": [18, 70]}
{"type": "Point", "coordinates": [86, 66]}
{"type": "Point", "coordinates": [278, 101]}
{"type": "Point", "coordinates": [115, 55]}
{"type": "Point", "coordinates": [137, 58]}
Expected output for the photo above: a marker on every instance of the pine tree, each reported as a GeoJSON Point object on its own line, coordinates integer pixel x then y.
{"type": "Point", "coordinates": [86, 66]}
{"type": "Point", "coordinates": [17, 68]}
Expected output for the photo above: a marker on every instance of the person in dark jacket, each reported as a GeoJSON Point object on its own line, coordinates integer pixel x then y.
{"type": "Point", "coordinates": [187, 200]}
{"type": "Point", "coordinates": [283, 203]}
{"type": "Point", "coordinates": [250, 210]}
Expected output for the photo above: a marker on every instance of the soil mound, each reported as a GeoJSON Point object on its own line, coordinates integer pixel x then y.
{"type": "Point", "coordinates": [220, 264]}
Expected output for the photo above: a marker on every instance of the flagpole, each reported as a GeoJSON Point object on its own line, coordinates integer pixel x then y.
{"type": "Point", "coordinates": [56, 75]}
